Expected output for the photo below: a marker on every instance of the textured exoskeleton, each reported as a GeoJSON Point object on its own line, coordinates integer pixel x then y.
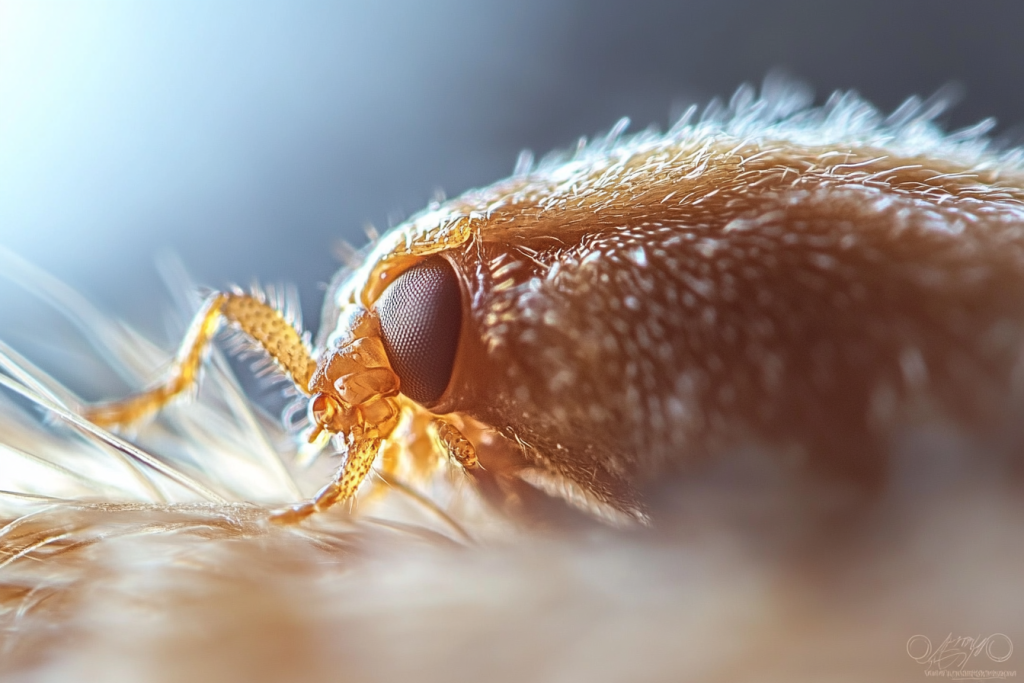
{"type": "Point", "coordinates": [592, 320]}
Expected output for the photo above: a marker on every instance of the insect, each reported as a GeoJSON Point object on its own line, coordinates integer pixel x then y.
{"type": "Point", "coordinates": [822, 295]}
{"type": "Point", "coordinates": [807, 281]}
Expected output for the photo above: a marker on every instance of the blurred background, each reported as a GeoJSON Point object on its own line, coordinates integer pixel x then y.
{"type": "Point", "coordinates": [249, 137]}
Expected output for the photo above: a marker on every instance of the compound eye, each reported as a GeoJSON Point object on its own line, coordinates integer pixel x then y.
{"type": "Point", "coordinates": [420, 320]}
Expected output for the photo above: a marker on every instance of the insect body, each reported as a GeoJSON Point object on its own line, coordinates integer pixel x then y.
{"type": "Point", "coordinates": [808, 281]}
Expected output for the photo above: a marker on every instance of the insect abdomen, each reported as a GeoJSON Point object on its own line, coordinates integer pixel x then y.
{"type": "Point", "coordinates": [808, 312]}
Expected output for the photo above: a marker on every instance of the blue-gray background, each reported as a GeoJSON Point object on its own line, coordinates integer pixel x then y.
{"type": "Point", "coordinates": [248, 137]}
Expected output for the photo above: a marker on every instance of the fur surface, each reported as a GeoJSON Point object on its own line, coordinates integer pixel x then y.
{"type": "Point", "coordinates": [153, 561]}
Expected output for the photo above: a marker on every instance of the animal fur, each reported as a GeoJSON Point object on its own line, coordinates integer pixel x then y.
{"type": "Point", "coordinates": [839, 473]}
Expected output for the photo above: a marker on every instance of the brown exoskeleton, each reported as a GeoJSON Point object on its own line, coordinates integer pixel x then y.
{"type": "Point", "coordinates": [589, 320]}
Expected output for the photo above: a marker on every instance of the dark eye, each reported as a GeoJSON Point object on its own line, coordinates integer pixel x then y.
{"type": "Point", "coordinates": [420, 320]}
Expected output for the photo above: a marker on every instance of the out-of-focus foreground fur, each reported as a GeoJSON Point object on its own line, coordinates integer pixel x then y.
{"type": "Point", "coordinates": [117, 565]}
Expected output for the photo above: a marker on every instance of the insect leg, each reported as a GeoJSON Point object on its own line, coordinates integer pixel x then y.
{"type": "Point", "coordinates": [266, 325]}
{"type": "Point", "coordinates": [361, 455]}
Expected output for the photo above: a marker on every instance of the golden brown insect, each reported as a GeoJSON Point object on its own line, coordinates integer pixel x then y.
{"type": "Point", "coordinates": [810, 287]}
